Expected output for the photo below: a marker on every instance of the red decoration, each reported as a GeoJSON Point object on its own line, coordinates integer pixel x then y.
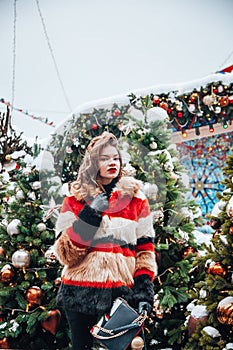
{"type": "Point", "coordinates": [224, 101]}
{"type": "Point", "coordinates": [230, 99]}
{"type": "Point", "coordinates": [180, 114]}
{"type": "Point", "coordinates": [116, 113]}
{"type": "Point", "coordinates": [231, 230]}
{"type": "Point", "coordinates": [94, 127]}
{"type": "Point", "coordinates": [164, 105]}
{"type": "Point", "coordinates": [52, 322]}
{"type": "Point", "coordinates": [156, 100]}
{"type": "Point", "coordinates": [17, 167]}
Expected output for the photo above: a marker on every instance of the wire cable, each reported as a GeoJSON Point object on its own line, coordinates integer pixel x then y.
{"type": "Point", "coordinates": [52, 55]}
{"type": "Point", "coordinates": [13, 56]}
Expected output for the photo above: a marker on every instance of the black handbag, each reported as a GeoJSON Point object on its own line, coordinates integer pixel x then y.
{"type": "Point", "coordinates": [116, 330]}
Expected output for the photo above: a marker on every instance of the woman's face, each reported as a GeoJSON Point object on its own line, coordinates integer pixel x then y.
{"type": "Point", "coordinates": [109, 164]}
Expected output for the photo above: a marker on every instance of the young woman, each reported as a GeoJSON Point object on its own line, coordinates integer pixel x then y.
{"type": "Point", "coordinates": [106, 241]}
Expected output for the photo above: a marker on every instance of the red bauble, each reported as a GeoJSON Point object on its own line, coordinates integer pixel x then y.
{"type": "Point", "coordinates": [156, 100]}
{"type": "Point", "coordinates": [94, 127]}
{"type": "Point", "coordinates": [224, 101]}
{"type": "Point", "coordinates": [164, 105]}
{"type": "Point", "coordinates": [116, 113]}
{"type": "Point", "coordinates": [231, 230]}
{"type": "Point", "coordinates": [180, 114]}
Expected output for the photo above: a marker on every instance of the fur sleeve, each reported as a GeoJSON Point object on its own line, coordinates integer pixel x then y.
{"type": "Point", "coordinates": [145, 252]}
{"type": "Point", "coordinates": [67, 252]}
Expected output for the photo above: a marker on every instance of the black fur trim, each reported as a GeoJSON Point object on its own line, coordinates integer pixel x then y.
{"type": "Point", "coordinates": [91, 301]}
{"type": "Point", "coordinates": [88, 223]}
{"type": "Point", "coordinates": [144, 240]}
{"type": "Point", "coordinates": [143, 290]}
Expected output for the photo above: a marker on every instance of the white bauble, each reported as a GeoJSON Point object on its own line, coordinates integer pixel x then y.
{"type": "Point", "coordinates": [208, 100]}
{"type": "Point", "coordinates": [12, 227]}
{"type": "Point", "coordinates": [36, 185]}
{"type": "Point", "coordinates": [211, 331]}
{"type": "Point", "coordinates": [26, 171]}
{"type": "Point", "coordinates": [150, 190]}
{"type": "Point", "coordinates": [50, 255]}
{"type": "Point", "coordinates": [41, 227]}
{"type": "Point", "coordinates": [156, 113]}
{"type": "Point", "coordinates": [19, 195]}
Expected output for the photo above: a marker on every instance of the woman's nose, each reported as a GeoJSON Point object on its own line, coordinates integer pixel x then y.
{"type": "Point", "coordinates": [112, 161]}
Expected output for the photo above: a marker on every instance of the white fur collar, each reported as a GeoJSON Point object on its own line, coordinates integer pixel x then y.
{"type": "Point", "coordinates": [128, 185]}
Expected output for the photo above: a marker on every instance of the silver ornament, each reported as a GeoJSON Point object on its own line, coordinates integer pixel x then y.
{"type": "Point", "coordinates": [21, 258]}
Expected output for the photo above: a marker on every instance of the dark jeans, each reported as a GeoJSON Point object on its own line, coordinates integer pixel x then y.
{"type": "Point", "coordinates": [80, 325]}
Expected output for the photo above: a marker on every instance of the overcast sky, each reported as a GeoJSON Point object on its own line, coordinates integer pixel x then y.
{"type": "Point", "coordinates": [104, 48]}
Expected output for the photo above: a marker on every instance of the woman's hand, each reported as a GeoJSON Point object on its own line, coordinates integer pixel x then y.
{"type": "Point", "coordinates": [100, 203]}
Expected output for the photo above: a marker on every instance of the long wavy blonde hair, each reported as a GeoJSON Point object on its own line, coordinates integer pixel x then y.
{"type": "Point", "coordinates": [87, 184]}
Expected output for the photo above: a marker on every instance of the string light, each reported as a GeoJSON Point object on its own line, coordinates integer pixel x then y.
{"type": "Point", "coordinates": [211, 128]}
{"type": "Point", "coordinates": [225, 125]}
{"type": "Point", "coordinates": [184, 133]}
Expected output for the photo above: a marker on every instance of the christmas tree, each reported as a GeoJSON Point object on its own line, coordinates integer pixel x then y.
{"type": "Point", "coordinates": [148, 155]}
{"type": "Point", "coordinates": [209, 316]}
{"type": "Point", "coordinates": [29, 271]}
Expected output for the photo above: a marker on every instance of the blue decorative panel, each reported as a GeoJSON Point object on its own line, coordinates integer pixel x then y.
{"type": "Point", "coordinates": [204, 159]}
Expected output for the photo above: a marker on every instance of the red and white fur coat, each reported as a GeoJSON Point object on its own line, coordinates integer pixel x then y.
{"type": "Point", "coordinates": [98, 270]}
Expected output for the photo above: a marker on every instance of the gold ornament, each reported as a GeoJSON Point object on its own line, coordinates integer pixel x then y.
{"type": "Point", "coordinates": [217, 268]}
{"type": "Point", "coordinates": [137, 343]}
{"type": "Point", "coordinates": [198, 315]}
{"type": "Point", "coordinates": [2, 252]}
{"type": "Point", "coordinates": [225, 311]}
{"type": "Point", "coordinates": [52, 322]}
{"type": "Point", "coordinates": [34, 296]}
{"type": "Point", "coordinates": [4, 343]}
{"type": "Point", "coordinates": [6, 274]}
{"type": "Point", "coordinates": [190, 250]}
